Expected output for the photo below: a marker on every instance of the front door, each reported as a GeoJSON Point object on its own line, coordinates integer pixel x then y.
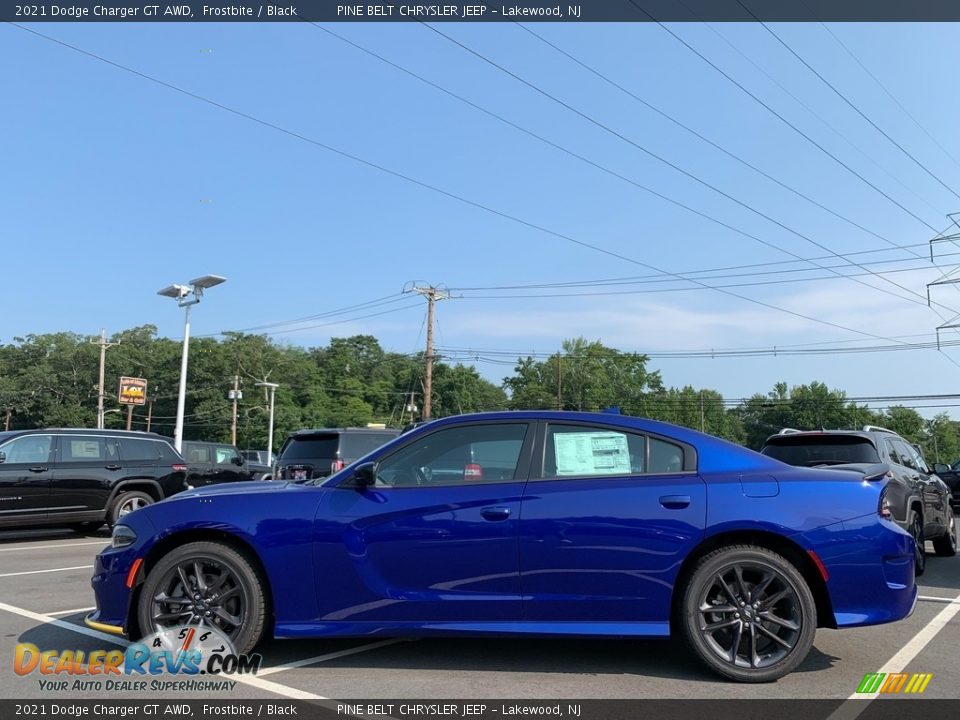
{"type": "Point", "coordinates": [25, 473]}
{"type": "Point", "coordinates": [435, 537]}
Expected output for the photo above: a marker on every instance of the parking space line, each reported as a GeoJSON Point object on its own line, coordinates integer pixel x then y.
{"type": "Point", "coordinates": [69, 612]}
{"type": "Point", "coordinates": [331, 656]}
{"type": "Point", "coordinates": [37, 572]}
{"type": "Point", "coordinates": [267, 685]}
{"type": "Point", "coordinates": [856, 703]}
{"type": "Point", "coordinates": [58, 545]}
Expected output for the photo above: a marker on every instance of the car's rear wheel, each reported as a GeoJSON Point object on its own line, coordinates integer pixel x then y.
{"type": "Point", "coordinates": [126, 502]}
{"type": "Point", "coordinates": [915, 528]}
{"type": "Point", "coordinates": [748, 613]}
{"type": "Point", "coordinates": [205, 584]}
{"type": "Point", "coordinates": [946, 544]}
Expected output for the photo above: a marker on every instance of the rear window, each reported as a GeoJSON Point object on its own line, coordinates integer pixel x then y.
{"type": "Point", "coordinates": [357, 445]}
{"type": "Point", "coordinates": [311, 447]}
{"type": "Point", "coordinates": [814, 450]}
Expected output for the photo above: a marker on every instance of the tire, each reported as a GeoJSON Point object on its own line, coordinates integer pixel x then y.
{"type": "Point", "coordinates": [946, 544]}
{"type": "Point", "coordinates": [127, 501]}
{"type": "Point", "coordinates": [745, 626]}
{"type": "Point", "coordinates": [245, 602]}
{"type": "Point", "coordinates": [915, 528]}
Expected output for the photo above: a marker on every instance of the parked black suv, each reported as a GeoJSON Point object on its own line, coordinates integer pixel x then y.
{"type": "Point", "coordinates": [310, 454]}
{"type": "Point", "coordinates": [209, 463]}
{"type": "Point", "coordinates": [917, 499]}
{"type": "Point", "coordinates": [83, 478]}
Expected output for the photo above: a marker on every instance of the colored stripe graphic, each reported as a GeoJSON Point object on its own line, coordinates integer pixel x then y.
{"type": "Point", "coordinates": [870, 682]}
{"type": "Point", "coordinates": [913, 683]}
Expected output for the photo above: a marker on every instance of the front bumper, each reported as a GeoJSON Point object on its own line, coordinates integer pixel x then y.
{"type": "Point", "coordinates": [113, 597]}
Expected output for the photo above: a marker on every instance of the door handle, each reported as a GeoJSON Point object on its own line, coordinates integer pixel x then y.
{"type": "Point", "coordinates": [112, 467]}
{"type": "Point", "coordinates": [675, 502]}
{"type": "Point", "coordinates": [38, 469]}
{"type": "Point", "coordinates": [495, 514]}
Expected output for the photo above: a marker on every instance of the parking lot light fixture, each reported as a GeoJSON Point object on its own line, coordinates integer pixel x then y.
{"type": "Point", "coordinates": [273, 388]}
{"type": "Point", "coordinates": [187, 296]}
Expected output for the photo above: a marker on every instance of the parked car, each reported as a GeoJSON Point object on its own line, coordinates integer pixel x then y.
{"type": "Point", "coordinates": [950, 474]}
{"type": "Point", "coordinates": [586, 525]}
{"type": "Point", "coordinates": [917, 499]}
{"type": "Point", "coordinates": [83, 478]}
{"type": "Point", "coordinates": [258, 464]}
{"type": "Point", "coordinates": [209, 463]}
{"type": "Point", "coordinates": [311, 454]}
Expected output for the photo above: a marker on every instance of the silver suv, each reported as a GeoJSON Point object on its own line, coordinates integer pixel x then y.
{"type": "Point", "coordinates": [915, 497]}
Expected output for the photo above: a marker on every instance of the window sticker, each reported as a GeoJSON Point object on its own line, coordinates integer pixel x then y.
{"type": "Point", "coordinates": [85, 449]}
{"type": "Point", "coordinates": [591, 453]}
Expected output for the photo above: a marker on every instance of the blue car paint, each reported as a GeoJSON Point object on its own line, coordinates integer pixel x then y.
{"type": "Point", "coordinates": [563, 556]}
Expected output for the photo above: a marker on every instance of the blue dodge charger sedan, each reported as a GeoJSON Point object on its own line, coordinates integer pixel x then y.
{"type": "Point", "coordinates": [526, 523]}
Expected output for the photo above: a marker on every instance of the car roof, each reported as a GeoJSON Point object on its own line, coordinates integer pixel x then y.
{"type": "Point", "coordinates": [341, 431]}
{"type": "Point", "coordinates": [869, 435]}
{"type": "Point", "coordinates": [86, 431]}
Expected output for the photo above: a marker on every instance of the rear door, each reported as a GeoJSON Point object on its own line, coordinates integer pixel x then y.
{"type": "Point", "coordinates": [87, 468]}
{"type": "Point", "coordinates": [228, 465]}
{"type": "Point", "coordinates": [607, 517]}
{"type": "Point", "coordinates": [25, 475]}
{"type": "Point", "coordinates": [200, 463]}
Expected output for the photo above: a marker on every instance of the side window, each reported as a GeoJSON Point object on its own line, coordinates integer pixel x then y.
{"type": "Point", "coordinates": [573, 450]}
{"type": "Point", "coordinates": [226, 455]}
{"type": "Point", "coordinates": [28, 449]}
{"type": "Point", "coordinates": [892, 451]}
{"type": "Point", "coordinates": [665, 457]}
{"type": "Point", "coordinates": [908, 455]}
{"type": "Point", "coordinates": [455, 456]}
{"type": "Point", "coordinates": [137, 450]}
{"type": "Point", "coordinates": [198, 454]}
{"type": "Point", "coordinates": [77, 448]}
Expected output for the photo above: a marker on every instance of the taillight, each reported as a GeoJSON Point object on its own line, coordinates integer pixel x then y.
{"type": "Point", "coordinates": [472, 471]}
{"type": "Point", "coordinates": [336, 466]}
{"type": "Point", "coordinates": [884, 508]}
{"type": "Point", "coordinates": [178, 467]}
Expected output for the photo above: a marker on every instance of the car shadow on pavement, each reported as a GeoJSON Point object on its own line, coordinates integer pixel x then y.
{"type": "Point", "coordinates": [27, 535]}
{"type": "Point", "coordinates": [941, 573]}
{"type": "Point", "coordinates": [668, 659]}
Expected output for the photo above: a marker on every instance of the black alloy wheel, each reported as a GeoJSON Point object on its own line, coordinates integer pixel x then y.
{"type": "Point", "coordinates": [749, 614]}
{"type": "Point", "coordinates": [209, 585]}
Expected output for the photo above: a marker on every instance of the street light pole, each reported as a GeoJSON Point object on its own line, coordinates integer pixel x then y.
{"type": "Point", "coordinates": [273, 388]}
{"type": "Point", "coordinates": [186, 296]}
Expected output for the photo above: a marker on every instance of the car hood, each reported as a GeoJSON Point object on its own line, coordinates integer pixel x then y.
{"type": "Point", "coordinates": [252, 487]}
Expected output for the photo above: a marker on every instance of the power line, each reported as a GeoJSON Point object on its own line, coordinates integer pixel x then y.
{"type": "Point", "coordinates": [848, 102]}
{"type": "Point", "coordinates": [886, 90]}
{"type": "Point", "coordinates": [434, 188]}
{"type": "Point", "coordinates": [783, 119]}
{"type": "Point", "coordinates": [693, 176]}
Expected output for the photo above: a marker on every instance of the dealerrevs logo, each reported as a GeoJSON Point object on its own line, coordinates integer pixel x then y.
{"type": "Point", "coordinates": [186, 650]}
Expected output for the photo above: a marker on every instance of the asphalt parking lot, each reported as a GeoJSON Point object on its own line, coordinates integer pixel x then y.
{"type": "Point", "coordinates": [45, 593]}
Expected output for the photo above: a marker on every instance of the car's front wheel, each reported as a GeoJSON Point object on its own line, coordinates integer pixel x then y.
{"type": "Point", "coordinates": [206, 584]}
{"type": "Point", "coordinates": [946, 544]}
{"type": "Point", "coordinates": [748, 613]}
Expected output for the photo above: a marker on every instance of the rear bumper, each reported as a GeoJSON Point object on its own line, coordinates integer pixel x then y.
{"type": "Point", "coordinates": [871, 566]}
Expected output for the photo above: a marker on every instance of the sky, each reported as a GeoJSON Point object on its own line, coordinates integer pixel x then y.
{"type": "Point", "coordinates": [324, 169]}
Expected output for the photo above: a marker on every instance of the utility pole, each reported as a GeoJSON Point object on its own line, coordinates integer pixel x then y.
{"type": "Point", "coordinates": [102, 342]}
{"type": "Point", "coordinates": [432, 294]}
{"type": "Point", "coordinates": [702, 419]}
{"type": "Point", "coordinates": [6, 424]}
{"type": "Point", "coordinates": [235, 396]}
{"type": "Point", "coordinates": [559, 380]}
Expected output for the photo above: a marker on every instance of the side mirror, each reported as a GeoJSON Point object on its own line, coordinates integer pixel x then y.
{"type": "Point", "coordinates": [3, 457]}
{"type": "Point", "coordinates": [237, 461]}
{"type": "Point", "coordinates": [365, 475]}
{"type": "Point", "coordinates": [937, 467]}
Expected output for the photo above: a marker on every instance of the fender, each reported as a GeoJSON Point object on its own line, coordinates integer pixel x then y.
{"type": "Point", "coordinates": [136, 481]}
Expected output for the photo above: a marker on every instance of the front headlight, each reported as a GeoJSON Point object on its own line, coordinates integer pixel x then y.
{"type": "Point", "coordinates": [122, 536]}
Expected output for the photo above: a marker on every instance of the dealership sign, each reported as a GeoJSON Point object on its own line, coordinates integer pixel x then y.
{"type": "Point", "coordinates": [133, 391]}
